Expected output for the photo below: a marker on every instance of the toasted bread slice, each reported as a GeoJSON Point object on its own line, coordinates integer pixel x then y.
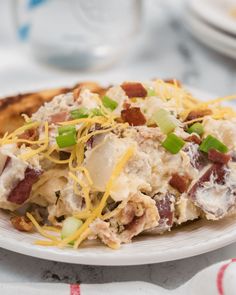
{"type": "Point", "coordinates": [12, 107]}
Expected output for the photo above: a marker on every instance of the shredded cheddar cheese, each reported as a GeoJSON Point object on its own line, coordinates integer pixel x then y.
{"type": "Point", "coordinates": [45, 243]}
{"type": "Point", "coordinates": [97, 212]}
{"type": "Point", "coordinates": [85, 190]}
{"type": "Point", "coordinates": [40, 149]}
{"type": "Point", "coordinates": [40, 229]}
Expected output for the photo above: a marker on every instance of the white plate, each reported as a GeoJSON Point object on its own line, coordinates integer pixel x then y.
{"type": "Point", "coordinates": [216, 12]}
{"type": "Point", "coordinates": [189, 240]}
{"type": "Point", "coordinates": [210, 36]}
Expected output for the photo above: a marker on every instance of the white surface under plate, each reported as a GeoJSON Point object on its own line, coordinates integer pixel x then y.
{"type": "Point", "coordinates": [185, 241]}
{"type": "Point", "coordinates": [216, 12]}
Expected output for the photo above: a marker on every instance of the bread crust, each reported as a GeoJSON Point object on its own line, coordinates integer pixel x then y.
{"type": "Point", "coordinates": [12, 107]}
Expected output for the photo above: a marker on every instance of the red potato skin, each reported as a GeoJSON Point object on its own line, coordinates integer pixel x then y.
{"type": "Point", "coordinates": [164, 210]}
{"type": "Point", "coordinates": [218, 157]}
{"type": "Point", "coordinates": [199, 160]}
{"type": "Point", "coordinates": [21, 191]}
{"type": "Point", "coordinates": [216, 169]}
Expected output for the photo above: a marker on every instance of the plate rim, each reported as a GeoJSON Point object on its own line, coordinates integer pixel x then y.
{"type": "Point", "coordinates": [76, 257]}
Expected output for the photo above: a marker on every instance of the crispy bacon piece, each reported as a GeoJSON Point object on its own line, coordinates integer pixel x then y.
{"type": "Point", "coordinates": [198, 114]}
{"type": "Point", "coordinates": [134, 89]}
{"type": "Point", "coordinates": [59, 117]}
{"type": "Point", "coordinates": [164, 209]}
{"type": "Point", "coordinates": [126, 105]}
{"type": "Point", "coordinates": [22, 223]}
{"type": "Point", "coordinates": [179, 182]}
{"type": "Point", "coordinates": [174, 82]}
{"type": "Point", "coordinates": [219, 172]}
{"type": "Point", "coordinates": [193, 138]}
{"type": "Point", "coordinates": [218, 157]}
{"type": "Point", "coordinates": [133, 116]}
{"type": "Point", "coordinates": [21, 191]}
{"type": "Point", "coordinates": [30, 134]}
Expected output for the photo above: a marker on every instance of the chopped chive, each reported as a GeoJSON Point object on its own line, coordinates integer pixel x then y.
{"type": "Point", "coordinates": [109, 103]}
{"type": "Point", "coordinates": [164, 120]}
{"type": "Point", "coordinates": [65, 129]}
{"type": "Point", "coordinates": [80, 113]}
{"type": "Point", "coordinates": [210, 142]}
{"type": "Point", "coordinates": [66, 139]}
{"type": "Point", "coordinates": [96, 112]}
{"type": "Point", "coordinates": [173, 143]}
{"type": "Point", "coordinates": [151, 92]}
{"type": "Point", "coordinates": [196, 128]}
{"type": "Point", "coordinates": [70, 226]}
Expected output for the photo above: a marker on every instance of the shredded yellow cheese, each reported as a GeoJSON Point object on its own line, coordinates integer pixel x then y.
{"type": "Point", "coordinates": [45, 243]}
{"type": "Point", "coordinates": [97, 212]}
{"type": "Point", "coordinates": [83, 237]}
{"type": "Point", "coordinates": [114, 212]}
{"type": "Point", "coordinates": [83, 169]}
{"type": "Point", "coordinates": [85, 190]}
{"type": "Point", "coordinates": [23, 128]}
{"type": "Point", "coordinates": [51, 228]}
{"type": "Point", "coordinates": [193, 121]}
{"type": "Point", "coordinates": [56, 161]}
{"type": "Point", "coordinates": [94, 120]}
{"type": "Point", "coordinates": [40, 229]}
{"type": "Point", "coordinates": [220, 99]}
{"type": "Point", "coordinates": [40, 149]}
{"type": "Point", "coordinates": [8, 138]}
{"type": "Point", "coordinates": [82, 214]}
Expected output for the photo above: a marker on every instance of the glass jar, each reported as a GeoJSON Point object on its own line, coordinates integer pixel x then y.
{"type": "Point", "coordinates": [77, 34]}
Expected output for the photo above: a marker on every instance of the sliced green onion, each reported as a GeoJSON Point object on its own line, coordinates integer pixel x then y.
{"type": "Point", "coordinates": [65, 129]}
{"type": "Point", "coordinates": [109, 103]}
{"type": "Point", "coordinates": [80, 113]}
{"type": "Point", "coordinates": [70, 226]}
{"type": "Point", "coordinates": [164, 120]}
{"type": "Point", "coordinates": [151, 92]}
{"type": "Point", "coordinates": [96, 112]}
{"type": "Point", "coordinates": [173, 143]}
{"type": "Point", "coordinates": [196, 128]}
{"type": "Point", "coordinates": [210, 142]}
{"type": "Point", "coordinates": [66, 139]}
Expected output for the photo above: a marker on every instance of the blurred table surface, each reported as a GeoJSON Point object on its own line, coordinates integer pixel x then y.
{"type": "Point", "coordinates": [167, 50]}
